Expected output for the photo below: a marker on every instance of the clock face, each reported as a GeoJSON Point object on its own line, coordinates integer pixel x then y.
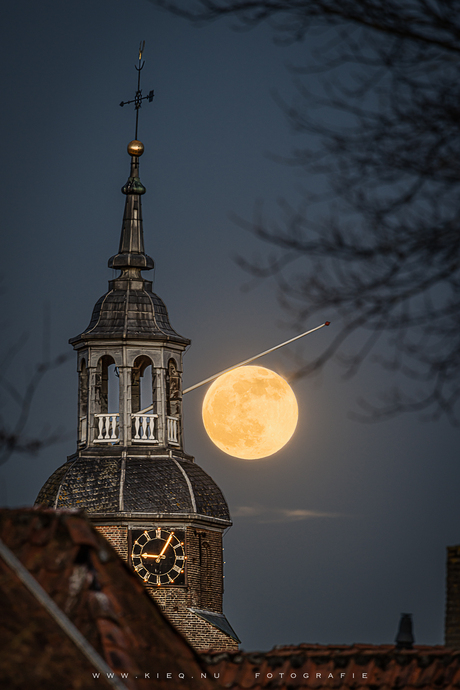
{"type": "Point", "coordinates": [158, 556]}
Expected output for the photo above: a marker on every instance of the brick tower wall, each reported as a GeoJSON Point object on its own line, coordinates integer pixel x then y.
{"type": "Point", "coordinates": [201, 634]}
{"type": "Point", "coordinates": [204, 588]}
{"type": "Point", "coordinates": [118, 537]}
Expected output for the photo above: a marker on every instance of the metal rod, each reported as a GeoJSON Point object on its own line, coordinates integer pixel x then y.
{"type": "Point", "coordinates": [251, 359]}
{"type": "Point", "coordinates": [246, 361]}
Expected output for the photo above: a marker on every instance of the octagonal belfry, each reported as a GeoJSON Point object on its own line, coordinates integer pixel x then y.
{"type": "Point", "coordinates": [163, 514]}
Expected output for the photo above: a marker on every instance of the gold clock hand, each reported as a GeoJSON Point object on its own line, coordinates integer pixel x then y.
{"type": "Point", "coordinates": [152, 555]}
{"type": "Point", "coordinates": [165, 547]}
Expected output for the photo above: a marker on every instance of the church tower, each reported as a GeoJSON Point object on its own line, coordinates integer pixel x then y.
{"type": "Point", "coordinates": [163, 514]}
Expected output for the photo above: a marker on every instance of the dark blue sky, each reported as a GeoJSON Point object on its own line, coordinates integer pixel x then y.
{"type": "Point", "coordinates": [346, 527]}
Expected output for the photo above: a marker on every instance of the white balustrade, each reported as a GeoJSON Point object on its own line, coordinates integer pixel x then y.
{"type": "Point", "coordinates": [144, 428]}
{"type": "Point", "coordinates": [173, 430]}
{"type": "Point", "coordinates": [108, 428]}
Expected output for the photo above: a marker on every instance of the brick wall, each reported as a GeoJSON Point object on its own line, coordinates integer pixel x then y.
{"type": "Point", "coordinates": [201, 634]}
{"type": "Point", "coordinates": [452, 621]}
{"type": "Point", "coordinates": [204, 569]}
{"type": "Point", "coordinates": [204, 588]}
{"type": "Point", "coordinates": [118, 537]}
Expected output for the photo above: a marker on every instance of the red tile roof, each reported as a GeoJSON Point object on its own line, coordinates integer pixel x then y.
{"type": "Point", "coordinates": [98, 594]}
{"type": "Point", "coordinates": [338, 666]}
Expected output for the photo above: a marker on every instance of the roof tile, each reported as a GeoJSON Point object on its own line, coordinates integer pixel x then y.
{"type": "Point", "coordinates": [99, 594]}
{"type": "Point", "coordinates": [342, 667]}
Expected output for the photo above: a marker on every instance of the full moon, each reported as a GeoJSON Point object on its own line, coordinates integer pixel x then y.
{"type": "Point", "coordinates": [250, 412]}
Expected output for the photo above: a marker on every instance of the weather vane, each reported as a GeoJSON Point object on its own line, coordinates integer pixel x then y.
{"type": "Point", "coordinates": [138, 98]}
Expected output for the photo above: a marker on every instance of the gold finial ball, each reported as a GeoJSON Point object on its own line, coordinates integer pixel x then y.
{"type": "Point", "coordinates": [135, 148]}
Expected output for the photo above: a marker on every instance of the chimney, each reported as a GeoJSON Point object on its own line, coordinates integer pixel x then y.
{"type": "Point", "coordinates": [452, 620]}
{"type": "Point", "coordinates": [405, 636]}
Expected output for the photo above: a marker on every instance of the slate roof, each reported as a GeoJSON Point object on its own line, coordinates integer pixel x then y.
{"type": "Point", "coordinates": [130, 309]}
{"type": "Point", "coordinates": [375, 667]}
{"type": "Point", "coordinates": [159, 485]}
{"type": "Point", "coordinates": [99, 595]}
{"type": "Point", "coordinates": [218, 620]}
{"type": "Point", "coordinates": [122, 313]}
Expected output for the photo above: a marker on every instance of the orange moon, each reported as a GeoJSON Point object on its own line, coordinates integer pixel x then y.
{"type": "Point", "coordinates": [250, 412]}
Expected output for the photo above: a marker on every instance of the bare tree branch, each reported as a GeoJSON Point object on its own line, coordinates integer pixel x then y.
{"type": "Point", "coordinates": [378, 251]}
{"type": "Point", "coordinates": [13, 438]}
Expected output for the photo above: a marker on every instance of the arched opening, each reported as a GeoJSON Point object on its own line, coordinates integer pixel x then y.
{"type": "Point", "coordinates": [113, 386]}
{"type": "Point", "coordinates": [143, 386]}
{"type": "Point", "coordinates": [83, 402]}
{"type": "Point", "coordinates": [107, 399]}
{"type": "Point", "coordinates": [107, 390]}
{"type": "Point", "coordinates": [147, 387]}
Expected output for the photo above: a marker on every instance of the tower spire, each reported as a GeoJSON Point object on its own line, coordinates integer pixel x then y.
{"type": "Point", "coordinates": [131, 253]}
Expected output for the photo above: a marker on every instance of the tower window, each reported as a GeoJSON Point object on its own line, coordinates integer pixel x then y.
{"type": "Point", "coordinates": [107, 388]}
{"type": "Point", "coordinates": [83, 402]}
{"type": "Point", "coordinates": [143, 385]}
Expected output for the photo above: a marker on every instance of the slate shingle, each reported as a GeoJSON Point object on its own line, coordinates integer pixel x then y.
{"type": "Point", "coordinates": [343, 667]}
{"type": "Point", "coordinates": [155, 485]}
{"type": "Point", "coordinates": [131, 314]}
{"type": "Point", "coordinates": [99, 595]}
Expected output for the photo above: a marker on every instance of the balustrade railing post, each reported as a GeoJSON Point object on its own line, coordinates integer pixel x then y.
{"type": "Point", "coordinates": [172, 425]}
{"type": "Point", "coordinates": [144, 426]}
{"type": "Point", "coordinates": [113, 420]}
{"type": "Point", "coordinates": [108, 428]}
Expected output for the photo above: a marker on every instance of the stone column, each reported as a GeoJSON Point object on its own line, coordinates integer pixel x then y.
{"type": "Point", "coordinates": [124, 408]}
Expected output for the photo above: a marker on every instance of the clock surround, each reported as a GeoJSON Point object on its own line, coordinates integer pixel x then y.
{"type": "Point", "coordinates": [158, 556]}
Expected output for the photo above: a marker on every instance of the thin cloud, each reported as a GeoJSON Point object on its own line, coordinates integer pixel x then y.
{"type": "Point", "coordinates": [246, 511]}
{"type": "Point", "coordinates": [262, 514]}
